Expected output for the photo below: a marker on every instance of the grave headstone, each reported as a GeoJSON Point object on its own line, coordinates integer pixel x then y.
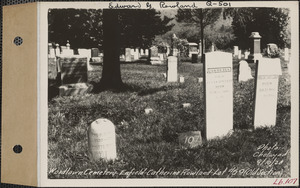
{"type": "Point", "coordinates": [240, 54]}
{"type": "Point", "coordinates": [68, 45]}
{"type": "Point", "coordinates": [102, 140]}
{"type": "Point", "coordinates": [266, 92]}
{"type": "Point", "coordinates": [200, 80]}
{"type": "Point", "coordinates": [73, 76]}
{"type": "Point", "coordinates": [235, 51]}
{"type": "Point", "coordinates": [136, 55]}
{"type": "Point", "coordinates": [190, 139]}
{"type": "Point", "coordinates": [86, 53]}
{"type": "Point", "coordinates": [161, 56]}
{"type": "Point", "coordinates": [212, 47]}
{"type": "Point", "coordinates": [255, 51]}
{"type": "Point", "coordinates": [286, 54]}
{"type": "Point", "coordinates": [51, 51]}
{"type": "Point", "coordinates": [272, 50]}
{"type": "Point", "coordinates": [181, 79]}
{"type": "Point", "coordinates": [73, 70]}
{"type": "Point", "coordinates": [127, 55]}
{"type": "Point", "coordinates": [154, 58]}
{"type": "Point", "coordinates": [186, 105]}
{"type": "Point", "coordinates": [148, 110]}
{"type": "Point", "coordinates": [142, 52]}
{"type": "Point", "coordinates": [218, 87]}
{"type": "Point", "coordinates": [95, 52]}
{"type": "Point", "coordinates": [172, 69]}
{"type": "Point", "coordinates": [57, 50]}
{"type": "Point", "coordinates": [244, 71]}
{"type": "Point", "coordinates": [246, 54]}
{"type": "Point", "coordinates": [146, 52]}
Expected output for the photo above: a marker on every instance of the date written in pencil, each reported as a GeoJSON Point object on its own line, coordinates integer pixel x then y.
{"type": "Point", "coordinates": [284, 182]}
{"type": "Point", "coordinates": [218, 4]}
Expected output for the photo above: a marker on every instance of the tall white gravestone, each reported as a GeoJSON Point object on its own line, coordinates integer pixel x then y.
{"type": "Point", "coordinates": [102, 140]}
{"type": "Point", "coordinates": [266, 91]}
{"type": "Point", "coordinates": [172, 69]}
{"type": "Point", "coordinates": [244, 71]}
{"type": "Point", "coordinates": [218, 86]}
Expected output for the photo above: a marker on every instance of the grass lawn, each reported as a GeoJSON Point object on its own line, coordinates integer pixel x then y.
{"type": "Point", "coordinates": [150, 141]}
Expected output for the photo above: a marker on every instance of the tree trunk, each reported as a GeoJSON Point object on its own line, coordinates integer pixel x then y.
{"type": "Point", "coordinates": [111, 74]}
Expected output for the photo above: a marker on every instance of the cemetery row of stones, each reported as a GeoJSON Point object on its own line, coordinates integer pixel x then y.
{"type": "Point", "coordinates": [158, 56]}
{"type": "Point", "coordinates": [218, 92]}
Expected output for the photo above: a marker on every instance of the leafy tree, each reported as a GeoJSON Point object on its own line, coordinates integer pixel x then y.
{"type": "Point", "coordinates": [82, 27]}
{"type": "Point", "coordinates": [199, 18]}
{"type": "Point", "coordinates": [271, 23]}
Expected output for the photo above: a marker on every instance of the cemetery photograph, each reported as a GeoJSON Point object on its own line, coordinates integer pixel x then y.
{"type": "Point", "coordinates": [169, 93]}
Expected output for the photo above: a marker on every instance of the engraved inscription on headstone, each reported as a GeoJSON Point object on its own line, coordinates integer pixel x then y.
{"type": "Point", "coordinates": [102, 140]}
{"type": "Point", "coordinates": [73, 70]}
{"type": "Point", "coordinates": [218, 93]}
{"type": "Point", "coordinates": [266, 92]}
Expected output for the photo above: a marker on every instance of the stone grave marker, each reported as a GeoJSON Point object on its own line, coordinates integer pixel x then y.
{"type": "Point", "coordinates": [146, 52]}
{"type": "Point", "coordinates": [246, 54]}
{"type": "Point", "coordinates": [235, 51]}
{"type": "Point", "coordinates": [148, 110]}
{"type": "Point", "coordinates": [73, 75]}
{"type": "Point", "coordinates": [142, 52]}
{"type": "Point", "coordinates": [181, 79]}
{"type": "Point", "coordinates": [240, 54]}
{"type": "Point", "coordinates": [95, 52]}
{"type": "Point", "coordinates": [218, 87]}
{"type": "Point", "coordinates": [266, 91]}
{"type": "Point", "coordinates": [136, 54]}
{"type": "Point", "coordinates": [51, 51]}
{"type": "Point", "coordinates": [127, 55]}
{"type": "Point", "coordinates": [154, 58]}
{"type": "Point", "coordinates": [73, 70]}
{"type": "Point", "coordinates": [102, 140]}
{"type": "Point", "coordinates": [190, 139]}
{"type": "Point", "coordinates": [172, 69]}
{"type": "Point", "coordinates": [244, 71]}
{"type": "Point", "coordinates": [57, 50]}
{"type": "Point", "coordinates": [255, 51]}
{"type": "Point", "coordinates": [200, 80]}
{"type": "Point", "coordinates": [286, 54]}
{"type": "Point", "coordinates": [86, 53]}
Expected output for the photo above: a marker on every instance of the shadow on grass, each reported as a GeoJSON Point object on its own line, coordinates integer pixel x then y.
{"type": "Point", "coordinates": [142, 91]}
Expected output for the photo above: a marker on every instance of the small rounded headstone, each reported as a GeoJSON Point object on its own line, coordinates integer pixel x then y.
{"type": "Point", "coordinates": [186, 105]}
{"type": "Point", "coordinates": [181, 79]}
{"type": "Point", "coordinates": [102, 140]}
{"type": "Point", "coordinates": [200, 79]}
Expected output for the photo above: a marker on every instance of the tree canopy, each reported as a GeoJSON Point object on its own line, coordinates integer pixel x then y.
{"type": "Point", "coordinates": [84, 27]}
{"type": "Point", "coordinates": [271, 23]}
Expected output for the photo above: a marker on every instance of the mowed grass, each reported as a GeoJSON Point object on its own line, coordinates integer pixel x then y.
{"type": "Point", "coordinates": [151, 140]}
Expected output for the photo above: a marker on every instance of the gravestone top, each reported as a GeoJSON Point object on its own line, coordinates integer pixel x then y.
{"type": "Point", "coordinates": [255, 35]}
{"type": "Point", "coordinates": [244, 71]}
{"type": "Point", "coordinates": [154, 51]}
{"type": "Point", "coordinates": [268, 66]}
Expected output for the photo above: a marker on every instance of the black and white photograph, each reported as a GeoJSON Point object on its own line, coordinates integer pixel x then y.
{"type": "Point", "coordinates": [171, 90]}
